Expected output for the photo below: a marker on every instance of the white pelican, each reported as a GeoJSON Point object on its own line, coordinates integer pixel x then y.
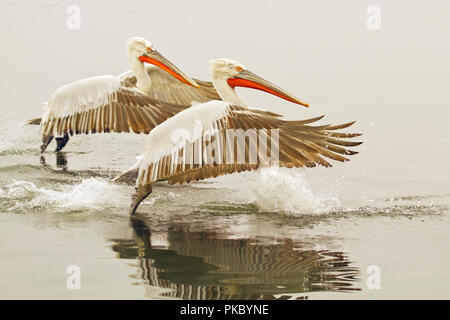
{"type": "Point", "coordinates": [137, 100]}
{"type": "Point", "coordinates": [194, 144]}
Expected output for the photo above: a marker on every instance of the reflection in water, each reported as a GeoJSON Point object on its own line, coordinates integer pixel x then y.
{"type": "Point", "coordinates": [206, 265]}
{"type": "Point", "coordinates": [61, 166]}
{"type": "Point", "coordinates": [61, 161]}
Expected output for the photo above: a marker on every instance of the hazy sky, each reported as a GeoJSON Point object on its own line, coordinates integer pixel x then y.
{"type": "Point", "coordinates": [394, 81]}
{"type": "Point", "coordinates": [315, 49]}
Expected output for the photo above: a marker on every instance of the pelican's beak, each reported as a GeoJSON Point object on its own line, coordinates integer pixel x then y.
{"type": "Point", "coordinates": [157, 59]}
{"type": "Point", "coordinates": [248, 79]}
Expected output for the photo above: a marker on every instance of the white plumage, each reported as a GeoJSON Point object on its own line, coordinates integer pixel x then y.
{"type": "Point", "coordinates": [80, 96]}
{"type": "Point", "coordinates": [172, 146]}
{"type": "Point", "coordinates": [137, 100]}
{"type": "Point", "coordinates": [189, 125]}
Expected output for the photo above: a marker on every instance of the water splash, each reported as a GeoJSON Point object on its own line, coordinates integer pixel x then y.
{"type": "Point", "coordinates": [90, 194]}
{"type": "Point", "coordinates": [15, 136]}
{"type": "Point", "coordinates": [285, 190]}
{"type": "Point", "coordinates": [294, 192]}
{"type": "Point", "coordinates": [269, 190]}
{"type": "Point", "coordinates": [161, 198]}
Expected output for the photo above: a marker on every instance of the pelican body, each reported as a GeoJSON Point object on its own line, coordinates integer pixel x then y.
{"type": "Point", "coordinates": [203, 141]}
{"type": "Point", "coordinates": [138, 100]}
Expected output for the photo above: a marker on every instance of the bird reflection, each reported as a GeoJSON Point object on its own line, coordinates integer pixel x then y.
{"type": "Point", "coordinates": [61, 161]}
{"type": "Point", "coordinates": [207, 265]}
{"type": "Point", "coordinates": [62, 167]}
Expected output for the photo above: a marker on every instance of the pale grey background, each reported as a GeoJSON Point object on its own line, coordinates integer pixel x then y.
{"type": "Point", "coordinates": [393, 81]}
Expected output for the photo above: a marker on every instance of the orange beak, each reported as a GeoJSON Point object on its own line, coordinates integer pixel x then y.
{"type": "Point", "coordinates": [248, 79]}
{"type": "Point", "coordinates": [158, 60]}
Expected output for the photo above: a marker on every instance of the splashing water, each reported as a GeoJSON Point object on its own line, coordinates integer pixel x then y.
{"type": "Point", "coordinates": [15, 137]}
{"type": "Point", "coordinates": [90, 194]}
{"type": "Point", "coordinates": [276, 189]}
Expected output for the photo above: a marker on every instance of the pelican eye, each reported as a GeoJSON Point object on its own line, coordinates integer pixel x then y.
{"type": "Point", "coordinates": [149, 49]}
{"type": "Point", "coordinates": [238, 68]}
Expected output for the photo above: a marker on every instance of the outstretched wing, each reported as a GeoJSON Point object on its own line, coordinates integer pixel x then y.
{"type": "Point", "coordinates": [167, 88]}
{"type": "Point", "coordinates": [103, 104]}
{"type": "Point", "coordinates": [234, 139]}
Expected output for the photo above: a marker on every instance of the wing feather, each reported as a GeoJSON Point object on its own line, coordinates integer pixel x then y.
{"type": "Point", "coordinates": [114, 108]}
{"type": "Point", "coordinates": [169, 89]}
{"type": "Point", "coordinates": [299, 144]}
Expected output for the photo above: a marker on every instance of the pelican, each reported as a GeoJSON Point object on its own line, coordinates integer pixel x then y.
{"type": "Point", "coordinates": [201, 142]}
{"type": "Point", "coordinates": [138, 100]}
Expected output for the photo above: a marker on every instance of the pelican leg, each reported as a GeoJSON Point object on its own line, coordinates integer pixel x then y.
{"type": "Point", "coordinates": [61, 142]}
{"type": "Point", "coordinates": [141, 193]}
{"type": "Point", "coordinates": [45, 142]}
{"type": "Point", "coordinates": [61, 160]}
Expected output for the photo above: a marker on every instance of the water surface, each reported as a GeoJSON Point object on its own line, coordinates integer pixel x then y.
{"type": "Point", "coordinates": [270, 234]}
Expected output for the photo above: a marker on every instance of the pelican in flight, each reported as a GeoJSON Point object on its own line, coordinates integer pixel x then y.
{"type": "Point", "coordinates": [138, 100]}
{"type": "Point", "coordinates": [205, 140]}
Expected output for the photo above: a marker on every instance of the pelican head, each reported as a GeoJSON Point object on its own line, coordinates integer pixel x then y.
{"type": "Point", "coordinates": [140, 49]}
{"type": "Point", "coordinates": [237, 75]}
